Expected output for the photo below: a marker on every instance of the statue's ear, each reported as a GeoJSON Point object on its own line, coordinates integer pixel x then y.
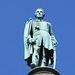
{"type": "Point", "coordinates": [35, 14]}
{"type": "Point", "coordinates": [44, 15]}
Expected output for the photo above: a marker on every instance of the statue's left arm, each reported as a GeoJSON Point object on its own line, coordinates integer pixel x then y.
{"type": "Point", "coordinates": [53, 39]}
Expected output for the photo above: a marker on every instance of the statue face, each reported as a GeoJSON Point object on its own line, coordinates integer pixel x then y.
{"type": "Point", "coordinates": [39, 13]}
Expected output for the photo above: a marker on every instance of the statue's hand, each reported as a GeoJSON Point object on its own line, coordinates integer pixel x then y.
{"type": "Point", "coordinates": [54, 43]}
{"type": "Point", "coordinates": [32, 41]}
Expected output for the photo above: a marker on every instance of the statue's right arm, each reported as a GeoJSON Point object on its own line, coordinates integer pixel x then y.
{"type": "Point", "coordinates": [27, 33]}
{"type": "Point", "coordinates": [27, 36]}
{"type": "Point", "coordinates": [27, 30]}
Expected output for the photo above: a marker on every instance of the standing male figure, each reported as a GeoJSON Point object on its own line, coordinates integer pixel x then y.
{"type": "Point", "coordinates": [39, 41]}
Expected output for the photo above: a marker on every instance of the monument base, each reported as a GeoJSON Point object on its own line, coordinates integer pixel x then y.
{"type": "Point", "coordinates": [46, 70]}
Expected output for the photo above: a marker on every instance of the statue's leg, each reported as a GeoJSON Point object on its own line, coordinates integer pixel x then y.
{"type": "Point", "coordinates": [45, 57]}
{"type": "Point", "coordinates": [35, 56]}
{"type": "Point", "coordinates": [51, 56]}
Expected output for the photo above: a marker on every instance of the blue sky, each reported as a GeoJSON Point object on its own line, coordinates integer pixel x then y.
{"type": "Point", "coordinates": [13, 16]}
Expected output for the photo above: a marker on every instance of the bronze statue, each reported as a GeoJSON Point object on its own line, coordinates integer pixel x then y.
{"type": "Point", "coordinates": [39, 41]}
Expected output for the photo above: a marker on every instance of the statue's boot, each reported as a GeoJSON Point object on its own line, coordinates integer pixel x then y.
{"type": "Point", "coordinates": [32, 65]}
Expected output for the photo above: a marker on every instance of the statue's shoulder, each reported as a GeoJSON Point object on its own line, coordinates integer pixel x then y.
{"type": "Point", "coordinates": [30, 20]}
{"type": "Point", "coordinates": [48, 23]}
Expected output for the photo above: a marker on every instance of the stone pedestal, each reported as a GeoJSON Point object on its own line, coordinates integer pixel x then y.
{"type": "Point", "coordinates": [43, 71]}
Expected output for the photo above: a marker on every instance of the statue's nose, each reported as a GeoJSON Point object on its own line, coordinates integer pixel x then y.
{"type": "Point", "coordinates": [39, 13]}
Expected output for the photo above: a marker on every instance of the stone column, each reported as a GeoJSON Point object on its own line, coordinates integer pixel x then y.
{"type": "Point", "coordinates": [46, 70]}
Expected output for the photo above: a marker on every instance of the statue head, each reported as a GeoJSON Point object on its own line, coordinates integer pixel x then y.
{"type": "Point", "coordinates": [39, 13]}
